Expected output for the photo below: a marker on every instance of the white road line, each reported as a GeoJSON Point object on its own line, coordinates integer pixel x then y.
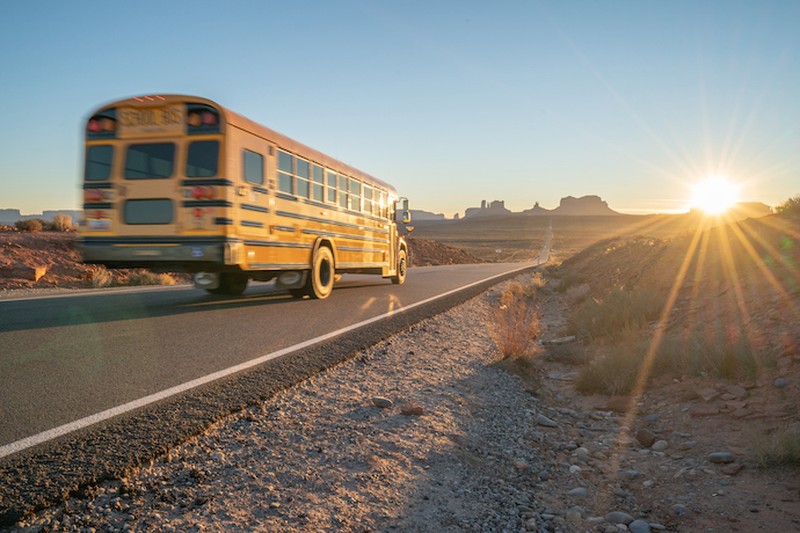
{"type": "Point", "coordinates": [65, 429]}
{"type": "Point", "coordinates": [94, 292]}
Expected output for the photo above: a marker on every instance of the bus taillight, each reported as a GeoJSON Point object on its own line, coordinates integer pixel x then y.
{"type": "Point", "coordinates": [203, 193]}
{"type": "Point", "coordinates": [93, 195]}
{"type": "Point", "coordinates": [102, 125]}
{"type": "Point", "coordinates": [201, 118]}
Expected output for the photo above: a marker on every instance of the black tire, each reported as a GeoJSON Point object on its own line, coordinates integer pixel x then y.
{"type": "Point", "coordinates": [230, 284]}
{"type": "Point", "coordinates": [297, 293]}
{"type": "Point", "coordinates": [402, 265]}
{"type": "Point", "coordinates": [323, 273]}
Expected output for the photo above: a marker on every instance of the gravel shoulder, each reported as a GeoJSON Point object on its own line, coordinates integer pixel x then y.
{"type": "Point", "coordinates": [464, 446]}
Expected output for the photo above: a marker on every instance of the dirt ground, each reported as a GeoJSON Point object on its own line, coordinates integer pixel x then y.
{"type": "Point", "coordinates": [687, 439]}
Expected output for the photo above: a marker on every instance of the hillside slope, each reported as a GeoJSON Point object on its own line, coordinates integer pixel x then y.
{"type": "Point", "coordinates": [44, 260]}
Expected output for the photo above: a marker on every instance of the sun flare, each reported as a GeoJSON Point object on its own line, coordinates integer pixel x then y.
{"type": "Point", "coordinates": [714, 195]}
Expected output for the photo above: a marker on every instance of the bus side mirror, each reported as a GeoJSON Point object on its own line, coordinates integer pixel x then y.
{"type": "Point", "coordinates": [404, 208]}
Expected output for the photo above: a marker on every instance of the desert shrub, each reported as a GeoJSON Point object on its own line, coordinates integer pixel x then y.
{"type": "Point", "coordinates": [513, 292]}
{"type": "Point", "coordinates": [578, 293]}
{"type": "Point", "coordinates": [572, 353]}
{"type": "Point", "coordinates": [621, 309]}
{"type": "Point", "coordinates": [31, 224]}
{"type": "Point", "coordinates": [567, 280]}
{"type": "Point", "coordinates": [615, 368]}
{"type": "Point", "coordinates": [724, 356]}
{"type": "Point", "coordinates": [514, 328]}
{"type": "Point", "coordinates": [779, 448]}
{"type": "Point", "coordinates": [100, 277]}
{"type": "Point", "coordinates": [789, 207]}
{"type": "Point", "coordinates": [614, 374]}
{"type": "Point", "coordinates": [61, 223]}
{"type": "Point", "coordinates": [145, 277]}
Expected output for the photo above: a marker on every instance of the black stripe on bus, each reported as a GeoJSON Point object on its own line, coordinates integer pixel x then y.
{"type": "Point", "coordinates": [262, 190]}
{"type": "Point", "coordinates": [343, 236]}
{"type": "Point", "coordinates": [289, 229]}
{"type": "Point", "coordinates": [223, 221]}
{"type": "Point", "coordinates": [258, 208]}
{"type": "Point", "coordinates": [98, 185]}
{"type": "Point", "coordinates": [252, 224]}
{"type": "Point", "coordinates": [207, 203]}
{"type": "Point", "coordinates": [285, 196]}
{"type": "Point", "coordinates": [278, 266]}
{"type": "Point", "coordinates": [359, 265]}
{"type": "Point", "coordinates": [360, 250]}
{"type": "Point", "coordinates": [204, 240]}
{"type": "Point", "coordinates": [98, 205]}
{"type": "Point", "coordinates": [278, 244]}
{"type": "Point", "coordinates": [206, 181]}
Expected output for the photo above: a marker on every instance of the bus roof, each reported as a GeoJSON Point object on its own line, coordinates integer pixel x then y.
{"type": "Point", "coordinates": [239, 121]}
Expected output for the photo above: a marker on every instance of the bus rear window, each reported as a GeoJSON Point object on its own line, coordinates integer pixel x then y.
{"type": "Point", "coordinates": [156, 211]}
{"type": "Point", "coordinates": [201, 161]}
{"type": "Point", "coordinates": [149, 161]}
{"type": "Point", "coordinates": [98, 162]}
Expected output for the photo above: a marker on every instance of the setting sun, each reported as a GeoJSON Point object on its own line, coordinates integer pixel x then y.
{"type": "Point", "coordinates": [714, 195]}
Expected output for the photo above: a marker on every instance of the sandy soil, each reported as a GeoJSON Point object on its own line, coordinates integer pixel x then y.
{"type": "Point", "coordinates": [464, 444]}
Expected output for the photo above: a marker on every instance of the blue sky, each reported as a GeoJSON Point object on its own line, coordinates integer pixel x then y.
{"type": "Point", "coordinates": [453, 102]}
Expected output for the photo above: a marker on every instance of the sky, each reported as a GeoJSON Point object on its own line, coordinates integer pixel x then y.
{"type": "Point", "coordinates": [452, 102]}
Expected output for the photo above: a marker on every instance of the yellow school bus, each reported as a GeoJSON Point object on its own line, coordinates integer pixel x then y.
{"type": "Point", "coordinates": [180, 183]}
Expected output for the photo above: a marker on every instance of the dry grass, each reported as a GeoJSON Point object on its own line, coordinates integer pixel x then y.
{"type": "Point", "coordinates": [515, 326]}
{"type": "Point", "coordinates": [99, 277]}
{"type": "Point", "coordinates": [619, 311]}
{"type": "Point", "coordinates": [145, 277]}
{"type": "Point", "coordinates": [779, 448]}
{"type": "Point", "coordinates": [614, 369]}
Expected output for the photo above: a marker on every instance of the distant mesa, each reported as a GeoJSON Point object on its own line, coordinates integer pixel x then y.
{"type": "Point", "coordinates": [584, 206]}
{"type": "Point", "coordinates": [742, 210]}
{"type": "Point", "coordinates": [569, 206]}
{"type": "Point", "coordinates": [12, 216]}
{"type": "Point", "coordinates": [497, 208]}
{"type": "Point", "coordinates": [425, 216]}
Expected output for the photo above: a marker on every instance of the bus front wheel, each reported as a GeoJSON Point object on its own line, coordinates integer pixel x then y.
{"type": "Point", "coordinates": [322, 275]}
{"type": "Point", "coordinates": [402, 265]}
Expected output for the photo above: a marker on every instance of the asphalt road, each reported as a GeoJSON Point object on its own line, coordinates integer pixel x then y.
{"type": "Point", "coordinates": [94, 384]}
{"type": "Point", "coordinates": [63, 359]}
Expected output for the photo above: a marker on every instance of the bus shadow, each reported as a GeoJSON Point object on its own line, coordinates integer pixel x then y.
{"type": "Point", "coordinates": [88, 309]}
{"type": "Point", "coordinates": [97, 308]}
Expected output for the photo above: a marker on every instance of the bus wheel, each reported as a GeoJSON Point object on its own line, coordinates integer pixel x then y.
{"type": "Point", "coordinates": [402, 261]}
{"type": "Point", "coordinates": [230, 284]}
{"type": "Point", "coordinates": [322, 275]}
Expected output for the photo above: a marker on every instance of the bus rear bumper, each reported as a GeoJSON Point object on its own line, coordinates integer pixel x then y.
{"type": "Point", "coordinates": [157, 253]}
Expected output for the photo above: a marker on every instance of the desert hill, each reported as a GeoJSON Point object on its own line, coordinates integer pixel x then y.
{"type": "Point", "coordinates": [49, 259]}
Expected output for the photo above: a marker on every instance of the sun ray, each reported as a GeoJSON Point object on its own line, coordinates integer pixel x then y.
{"type": "Point", "coordinates": [768, 274]}
{"type": "Point", "coordinates": [655, 344]}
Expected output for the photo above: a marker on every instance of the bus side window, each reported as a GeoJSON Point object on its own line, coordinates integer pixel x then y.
{"type": "Point", "coordinates": [317, 183]}
{"type": "Point", "coordinates": [344, 198]}
{"type": "Point", "coordinates": [301, 183]}
{"type": "Point", "coordinates": [367, 199]}
{"type": "Point", "coordinates": [331, 179]}
{"type": "Point", "coordinates": [253, 167]}
{"type": "Point", "coordinates": [355, 194]}
{"type": "Point", "coordinates": [285, 171]}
